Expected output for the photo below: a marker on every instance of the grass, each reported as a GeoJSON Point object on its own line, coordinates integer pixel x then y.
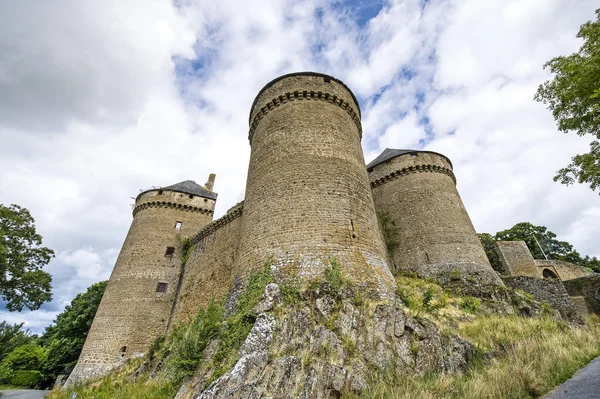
{"type": "Point", "coordinates": [236, 327]}
{"type": "Point", "coordinates": [118, 385]}
{"type": "Point", "coordinates": [539, 354]}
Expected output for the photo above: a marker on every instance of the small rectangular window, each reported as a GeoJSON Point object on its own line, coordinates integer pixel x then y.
{"type": "Point", "coordinates": [327, 79]}
{"type": "Point", "coordinates": [178, 225]}
{"type": "Point", "coordinates": [170, 251]}
{"type": "Point", "coordinates": [191, 196]}
{"type": "Point", "coordinates": [161, 287]}
{"type": "Point", "coordinates": [160, 192]}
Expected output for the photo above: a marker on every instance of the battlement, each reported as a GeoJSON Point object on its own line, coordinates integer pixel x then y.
{"type": "Point", "coordinates": [235, 212]}
{"type": "Point", "coordinates": [303, 86]}
{"type": "Point", "coordinates": [309, 197]}
{"type": "Point", "coordinates": [412, 169]}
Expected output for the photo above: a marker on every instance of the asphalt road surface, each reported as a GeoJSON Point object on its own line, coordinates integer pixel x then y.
{"type": "Point", "coordinates": [24, 394]}
{"type": "Point", "coordinates": [585, 384]}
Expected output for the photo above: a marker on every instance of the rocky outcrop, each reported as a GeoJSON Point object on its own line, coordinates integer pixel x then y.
{"type": "Point", "coordinates": [328, 344]}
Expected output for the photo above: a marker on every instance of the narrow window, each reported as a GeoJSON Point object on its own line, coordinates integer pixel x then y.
{"type": "Point", "coordinates": [170, 251]}
{"type": "Point", "coordinates": [160, 192]}
{"type": "Point", "coordinates": [191, 196]}
{"type": "Point", "coordinates": [177, 225]}
{"type": "Point", "coordinates": [124, 349]}
{"type": "Point", "coordinates": [427, 256]}
{"type": "Point", "coordinates": [161, 287]}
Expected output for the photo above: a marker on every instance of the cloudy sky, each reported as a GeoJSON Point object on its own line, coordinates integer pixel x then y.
{"type": "Point", "coordinates": [99, 99]}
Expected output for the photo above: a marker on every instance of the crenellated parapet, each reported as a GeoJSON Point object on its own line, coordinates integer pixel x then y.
{"type": "Point", "coordinates": [413, 169]}
{"type": "Point", "coordinates": [167, 204]}
{"type": "Point", "coordinates": [210, 228]}
{"type": "Point", "coordinates": [304, 95]}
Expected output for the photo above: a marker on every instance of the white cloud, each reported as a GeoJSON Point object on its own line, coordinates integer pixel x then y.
{"type": "Point", "coordinates": [101, 98]}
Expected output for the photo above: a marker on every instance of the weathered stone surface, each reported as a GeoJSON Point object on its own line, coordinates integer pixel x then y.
{"type": "Point", "coordinates": [296, 356]}
{"type": "Point", "coordinates": [551, 291]}
{"type": "Point", "coordinates": [431, 230]}
{"type": "Point", "coordinates": [587, 287]}
{"type": "Point", "coordinates": [133, 312]}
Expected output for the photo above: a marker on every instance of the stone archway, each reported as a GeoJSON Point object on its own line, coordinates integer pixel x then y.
{"type": "Point", "coordinates": [547, 273]}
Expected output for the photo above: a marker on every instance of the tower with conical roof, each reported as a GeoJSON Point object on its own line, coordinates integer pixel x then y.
{"type": "Point", "coordinates": [428, 228]}
{"type": "Point", "coordinates": [138, 300]}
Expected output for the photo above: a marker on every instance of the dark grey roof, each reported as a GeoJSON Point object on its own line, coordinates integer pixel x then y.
{"type": "Point", "coordinates": [187, 187]}
{"type": "Point", "coordinates": [390, 153]}
{"type": "Point", "coordinates": [307, 73]}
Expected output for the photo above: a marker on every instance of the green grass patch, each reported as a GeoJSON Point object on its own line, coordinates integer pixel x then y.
{"type": "Point", "coordinates": [539, 354]}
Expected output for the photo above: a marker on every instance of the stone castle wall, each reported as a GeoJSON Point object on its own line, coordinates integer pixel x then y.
{"type": "Point", "coordinates": [307, 194]}
{"type": "Point", "coordinates": [431, 229]}
{"type": "Point", "coordinates": [132, 312]}
{"type": "Point", "coordinates": [587, 287]}
{"type": "Point", "coordinates": [564, 270]}
{"type": "Point", "coordinates": [207, 272]}
{"type": "Point", "coordinates": [516, 259]}
{"type": "Point", "coordinates": [548, 290]}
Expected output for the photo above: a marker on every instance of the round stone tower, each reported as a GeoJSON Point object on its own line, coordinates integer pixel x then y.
{"type": "Point", "coordinates": [427, 227]}
{"type": "Point", "coordinates": [308, 199]}
{"type": "Point", "coordinates": [137, 303]}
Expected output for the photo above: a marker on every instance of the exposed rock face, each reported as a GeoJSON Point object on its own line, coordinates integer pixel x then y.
{"type": "Point", "coordinates": [551, 291]}
{"type": "Point", "coordinates": [327, 346]}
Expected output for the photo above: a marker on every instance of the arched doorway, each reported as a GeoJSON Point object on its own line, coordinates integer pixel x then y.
{"type": "Point", "coordinates": [547, 273]}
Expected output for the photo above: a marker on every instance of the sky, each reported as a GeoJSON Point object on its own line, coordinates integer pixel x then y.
{"type": "Point", "coordinates": [102, 98]}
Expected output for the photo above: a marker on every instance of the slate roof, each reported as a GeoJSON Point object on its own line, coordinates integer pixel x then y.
{"type": "Point", "coordinates": [390, 153]}
{"type": "Point", "coordinates": [187, 187]}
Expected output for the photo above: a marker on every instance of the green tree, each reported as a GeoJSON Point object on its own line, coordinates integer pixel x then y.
{"type": "Point", "coordinates": [489, 245]}
{"type": "Point", "coordinates": [23, 283]}
{"type": "Point", "coordinates": [64, 340]}
{"type": "Point", "coordinates": [12, 336]}
{"type": "Point", "coordinates": [573, 96]}
{"type": "Point", "coordinates": [538, 239]}
{"type": "Point", "coordinates": [553, 248]}
{"type": "Point", "coordinates": [26, 357]}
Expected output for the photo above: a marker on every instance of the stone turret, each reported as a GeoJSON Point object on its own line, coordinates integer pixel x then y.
{"type": "Point", "coordinates": [138, 300]}
{"type": "Point", "coordinates": [429, 228]}
{"type": "Point", "coordinates": [307, 195]}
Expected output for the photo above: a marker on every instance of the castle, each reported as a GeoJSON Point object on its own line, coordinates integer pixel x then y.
{"type": "Point", "coordinates": [309, 199]}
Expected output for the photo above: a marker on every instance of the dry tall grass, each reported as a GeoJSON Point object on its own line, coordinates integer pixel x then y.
{"type": "Point", "coordinates": [535, 356]}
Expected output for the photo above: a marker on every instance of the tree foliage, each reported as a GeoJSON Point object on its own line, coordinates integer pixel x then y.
{"type": "Point", "coordinates": [23, 283]}
{"type": "Point", "coordinates": [541, 242]}
{"type": "Point", "coordinates": [11, 337]}
{"type": "Point", "coordinates": [64, 340]}
{"type": "Point", "coordinates": [573, 96]}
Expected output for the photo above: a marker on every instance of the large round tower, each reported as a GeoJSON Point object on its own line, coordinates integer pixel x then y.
{"type": "Point", "coordinates": [137, 303]}
{"type": "Point", "coordinates": [307, 195]}
{"type": "Point", "coordinates": [427, 226]}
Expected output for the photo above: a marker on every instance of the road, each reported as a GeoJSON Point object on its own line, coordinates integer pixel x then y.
{"type": "Point", "coordinates": [585, 384]}
{"type": "Point", "coordinates": [24, 394]}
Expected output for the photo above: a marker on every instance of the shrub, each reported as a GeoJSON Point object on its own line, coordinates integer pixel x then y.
{"type": "Point", "coordinates": [290, 293]}
{"type": "Point", "coordinates": [333, 274]}
{"type": "Point", "coordinates": [237, 326]}
{"type": "Point", "coordinates": [188, 341]}
{"type": "Point", "coordinates": [26, 378]}
{"type": "Point", "coordinates": [427, 298]}
{"type": "Point", "coordinates": [6, 373]}
{"type": "Point", "coordinates": [470, 304]}
{"type": "Point", "coordinates": [26, 357]}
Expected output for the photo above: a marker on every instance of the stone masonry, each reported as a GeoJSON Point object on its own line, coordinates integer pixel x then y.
{"type": "Point", "coordinates": [310, 201]}
{"type": "Point", "coordinates": [427, 220]}
{"type": "Point", "coordinates": [137, 303]}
